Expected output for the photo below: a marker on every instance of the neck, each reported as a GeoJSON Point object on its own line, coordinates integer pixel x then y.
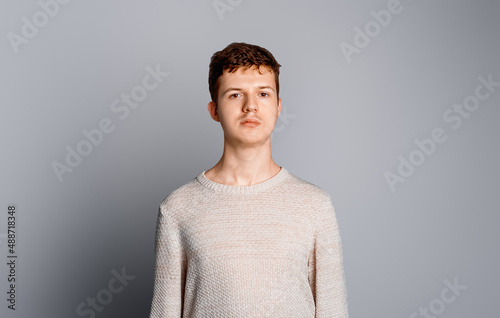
{"type": "Point", "coordinates": [244, 166]}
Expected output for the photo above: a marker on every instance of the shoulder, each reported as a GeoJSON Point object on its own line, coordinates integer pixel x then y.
{"type": "Point", "coordinates": [180, 198]}
{"type": "Point", "coordinates": [312, 198]}
{"type": "Point", "coordinates": [308, 192]}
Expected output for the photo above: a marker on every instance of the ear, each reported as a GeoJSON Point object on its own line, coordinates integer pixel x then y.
{"type": "Point", "coordinates": [212, 109]}
{"type": "Point", "coordinates": [279, 106]}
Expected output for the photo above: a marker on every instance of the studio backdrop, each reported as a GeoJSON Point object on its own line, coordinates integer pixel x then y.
{"type": "Point", "coordinates": [390, 106]}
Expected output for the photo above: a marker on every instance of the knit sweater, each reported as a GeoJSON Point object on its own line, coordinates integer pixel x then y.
{"type": "Point", "coordinates": [271, 249]}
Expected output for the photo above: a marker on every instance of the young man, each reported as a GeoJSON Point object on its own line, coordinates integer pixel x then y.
{"type": "Point", "coordinates": [247, 238]}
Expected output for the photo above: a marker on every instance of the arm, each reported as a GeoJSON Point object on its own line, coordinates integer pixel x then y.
{"type": "Point", "coordinates": [170, 269]}
{"type": "Point", "coordinates": [326, 272]}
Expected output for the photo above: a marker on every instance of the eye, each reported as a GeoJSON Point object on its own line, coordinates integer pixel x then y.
{"type": "Point", "coordinates": [234, 95]}
{"type": "Point", "coordinates": [265, 94]}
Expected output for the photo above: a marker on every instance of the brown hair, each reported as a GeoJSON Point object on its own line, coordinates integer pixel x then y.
{"type": "Point", "coordinates": [237, 55]}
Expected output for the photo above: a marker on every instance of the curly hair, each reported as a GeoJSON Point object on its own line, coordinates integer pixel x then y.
{"type": "Point", "coordinates": [236, 55]}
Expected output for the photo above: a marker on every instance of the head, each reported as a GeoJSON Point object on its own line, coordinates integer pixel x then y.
{"type": "Point", "coordinates": [243, 83]}
{"type": "Point", "coordinates": [236, 56]}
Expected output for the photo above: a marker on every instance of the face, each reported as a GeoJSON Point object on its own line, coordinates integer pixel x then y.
{"type": "Point", "coordinates": [247, 94]}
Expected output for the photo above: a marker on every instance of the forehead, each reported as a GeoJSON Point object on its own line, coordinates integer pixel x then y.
{"type": "Point", "coordinates": [248, 76]}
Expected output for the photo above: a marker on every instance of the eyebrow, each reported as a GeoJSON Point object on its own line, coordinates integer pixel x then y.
{"type": "Point", "coordinates": [239, 89]}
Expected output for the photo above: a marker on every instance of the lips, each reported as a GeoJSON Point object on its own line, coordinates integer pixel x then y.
{"type": "Point", "coordinates": [250, 121]}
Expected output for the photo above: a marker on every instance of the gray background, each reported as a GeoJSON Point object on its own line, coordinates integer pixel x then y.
{"type": "Point", "coordinates": [346, 125]}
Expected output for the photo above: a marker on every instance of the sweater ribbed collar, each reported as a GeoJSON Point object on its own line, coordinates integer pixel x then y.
{"type": "Point", "coordinates": [254, 188]}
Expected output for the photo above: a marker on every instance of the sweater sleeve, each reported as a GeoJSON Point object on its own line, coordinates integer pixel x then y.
{"type": "Point", "coordinates": [326, 272]}
{"type": "Point", "coordinates": [170, 268]}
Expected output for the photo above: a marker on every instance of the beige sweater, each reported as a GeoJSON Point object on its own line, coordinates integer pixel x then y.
{"type": "Point", "coordinates": [272, 249]}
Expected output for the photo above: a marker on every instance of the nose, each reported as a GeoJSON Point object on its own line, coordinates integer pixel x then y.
{"type": "Point", "coordinates": [250, 104]}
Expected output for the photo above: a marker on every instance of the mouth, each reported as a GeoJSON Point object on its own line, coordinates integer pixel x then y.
{"type": "Point", "coordinates": [250, 122]}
